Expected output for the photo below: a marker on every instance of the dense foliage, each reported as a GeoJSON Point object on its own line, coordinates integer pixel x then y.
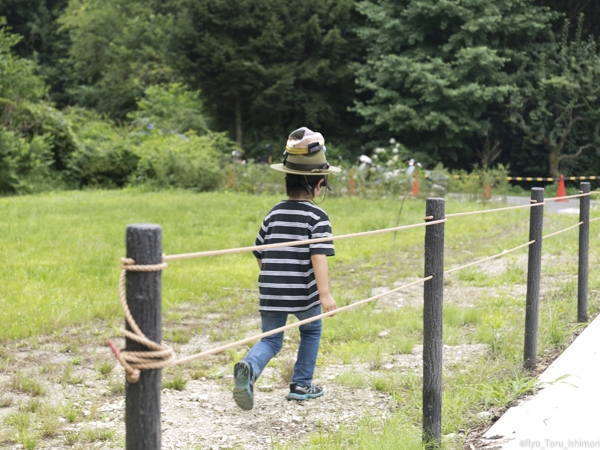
{"type": "Point", "coordinates": [109, 93]}
{"type": "Point", "coordinates": [437, 72]}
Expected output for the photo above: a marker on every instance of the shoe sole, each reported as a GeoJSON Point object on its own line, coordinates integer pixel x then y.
{"type": "Point", "coordinates": [242, 393]}
{"type": "Point", "coordinates": [291, 396]}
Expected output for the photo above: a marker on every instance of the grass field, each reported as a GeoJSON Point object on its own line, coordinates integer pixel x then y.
{"type": "Point", "coordinates": [60, 263]}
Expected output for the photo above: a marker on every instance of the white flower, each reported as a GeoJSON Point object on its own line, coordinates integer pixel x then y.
{"type": "Point", "coordinates": [395, 158]}
{"type": "Point", "coordinates": [395, 150]}
{"type": "Point", "coordinates": [392, 141]}
{"type": "Point", "coordinates": [379, 150]}
{"type": "Point", "coordinates": [389, 163]}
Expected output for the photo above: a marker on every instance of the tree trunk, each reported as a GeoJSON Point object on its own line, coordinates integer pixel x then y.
{"type": "Point", "coordinates": [238, 121]}
{"type": "Point", "coordinates": [553, 159]}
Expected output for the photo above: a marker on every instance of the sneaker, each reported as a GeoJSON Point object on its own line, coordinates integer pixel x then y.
{"type": "Point", "coordinates": [304, 392]}
{"type": "Point", "coordinates": [243, 390]}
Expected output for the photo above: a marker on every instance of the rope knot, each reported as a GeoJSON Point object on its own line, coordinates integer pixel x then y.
{"type": "Point", "coordinates": [158, 355]}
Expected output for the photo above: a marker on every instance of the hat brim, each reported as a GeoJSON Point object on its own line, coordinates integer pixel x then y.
{"type": "Point", "coordinates": [331, 170]}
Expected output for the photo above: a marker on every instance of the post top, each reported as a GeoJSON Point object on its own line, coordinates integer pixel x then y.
{"type": "Point", "coordinates": [144, 226]}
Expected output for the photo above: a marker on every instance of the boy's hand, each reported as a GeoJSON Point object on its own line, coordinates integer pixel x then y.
{"type": "Point", "coordinates": [319, 263]}
{"type": "Point", "coordinates": [328, 303]}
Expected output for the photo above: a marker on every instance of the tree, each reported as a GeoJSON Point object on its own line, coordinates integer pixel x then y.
{"type": "Point", "coordinates": [268, 65]}
{"type": "Point", "coordinates": [32, 139]}
{"type": "Point", "coordinates": [437, 72]}
{"type": "Point", "coordinates": [36, 22]}
{"type": "Point", "coordinates": [560, 108]}
{"type": "Point", "coordinates": [572, 9]}
{"type": "Point", "coordinates": [170, 108]}
{"type": "Point", "coordinates": [117, 51]}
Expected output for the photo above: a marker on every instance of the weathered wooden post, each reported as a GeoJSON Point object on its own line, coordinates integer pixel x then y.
{"type": "Point", "coordinates": [534, 266]}
{"type": "Point", "coordinates": [142, 399]}
{"type": "Point", "coordinates": [584, 245]}
{"type": "Point", "coordinates": [432, 325]}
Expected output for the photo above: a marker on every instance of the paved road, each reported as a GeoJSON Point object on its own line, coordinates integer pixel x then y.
{"type": "Point", "coordinates": [566, 206]}
{"type": "Point", "coordinates": [565, 413]}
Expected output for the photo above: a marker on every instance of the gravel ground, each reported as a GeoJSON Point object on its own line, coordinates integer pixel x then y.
{"type": "Point", "coordinates": [88, 406]}
{"type": "Point", "coordinates": [203, 415]}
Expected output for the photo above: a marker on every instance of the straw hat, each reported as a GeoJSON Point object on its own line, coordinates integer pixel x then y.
{"type": "Point", "coordinates": [305, 154]}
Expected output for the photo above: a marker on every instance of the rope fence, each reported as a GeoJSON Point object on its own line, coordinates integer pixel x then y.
{"type": "Point", "coordinates": [162, 356]}
{"type": "Point", "coordinates": [231, 251]}
{"type": "Point", "coordinates": [503, 253]}
{"type": "Point", "coordinates": [154, 356]}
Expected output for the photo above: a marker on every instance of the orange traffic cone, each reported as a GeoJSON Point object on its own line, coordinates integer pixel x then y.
{"type": "Point", "coordinates": [487, 192]}
{"type": "Point", "coordinates": [415, 186]}
{"type": "Point", "coordinates": [561, 190]}
{"type": "Point", "coordinates": [231, 179]}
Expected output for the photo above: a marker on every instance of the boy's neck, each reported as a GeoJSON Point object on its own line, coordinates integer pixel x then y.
{"type": "Point", "coordinates": [303, 198]}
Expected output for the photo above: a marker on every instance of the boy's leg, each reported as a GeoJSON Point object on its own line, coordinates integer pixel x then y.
{"type": "Point", "coordinates": [310, 339]}
{"type": "Point", "coordinates": [265, 349]}
{"type": "Point", "coordinates": [247, 371]}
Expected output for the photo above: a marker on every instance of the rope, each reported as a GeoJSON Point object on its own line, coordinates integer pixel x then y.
{"type": "Point", "coordinates": [484, 211]}
{"type": "Point", "coordinates": [504, 252]}
{"type": "Point", "coordinates": [297, 324]}
{"type": "Point", "coordinates": [160, 355]}
{"type": "Point", "coordinates": [533, 203]}
{"type": "Point", "coordinates": [296, 243]}
{"type": "Point", "coordinates": [562, 231]}
{"type": "Point", "coordinates": [556, 199]}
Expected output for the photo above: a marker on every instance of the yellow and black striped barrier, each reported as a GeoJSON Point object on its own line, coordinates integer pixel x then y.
{"type": "Point", "coordinates": [592, 177]}
{"type": "Point", "coordinates": [550, 180]}
{"type": "Point", "coordinates": [530, 179]}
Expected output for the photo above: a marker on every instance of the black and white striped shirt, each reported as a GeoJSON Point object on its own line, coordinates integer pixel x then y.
{"type": "Point", "coordinates": [287, 280]}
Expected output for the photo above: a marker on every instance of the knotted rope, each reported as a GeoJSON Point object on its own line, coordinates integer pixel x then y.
{"type": "Point", "coordinates": [158, 356]}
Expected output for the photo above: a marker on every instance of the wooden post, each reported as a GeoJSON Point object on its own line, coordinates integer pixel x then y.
{"type": "Point", "coordinates": [432, 325]}
{"type": "Point", "coordinates": [584, 245]}
{"type": "Point", "coordinates": [534, 266]}
{"type": "Point", "coordinates": [142, 399]}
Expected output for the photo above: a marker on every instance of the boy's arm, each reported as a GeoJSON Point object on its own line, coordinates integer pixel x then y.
{"type": "Point", "coordinates": [319, 263]}
{"type": "Point", "coordinates": [259, 261]}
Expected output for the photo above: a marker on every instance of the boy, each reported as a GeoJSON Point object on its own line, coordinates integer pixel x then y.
{"type": "Point", "coordinates": [292, 280]}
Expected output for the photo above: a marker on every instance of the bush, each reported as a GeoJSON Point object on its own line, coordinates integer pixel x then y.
{"type": "Point", "coordinates": [41, 119]}
{"type": "Point", "coordinates": [254, 179]}
{"type": "Point", "coordinates": [104, 155]}
{"type": "Point", "coordinates": [480, 183]}
{"type": "Point", "coordinates": [24, 165]}
{"type": "Point", "coordinates": [184, 161]}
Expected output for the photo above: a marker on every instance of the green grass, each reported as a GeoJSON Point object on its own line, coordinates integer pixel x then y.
{"type": "Point", "coordinates": [105, 367]}
{"type": "Point", "coordinates": [26, 384]}
{"type": "Point", "coordinates": [178, 382]}
{"type": "Point", "coordinates": [60, 255]}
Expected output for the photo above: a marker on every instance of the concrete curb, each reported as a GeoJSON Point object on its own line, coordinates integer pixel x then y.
{"type": "Point", "coordinates": [565, 413]}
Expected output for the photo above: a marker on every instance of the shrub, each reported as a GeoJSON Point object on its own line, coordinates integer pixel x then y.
{"type": "Point", "coordinates": [24, 166]}
{"type": "Point", "coordinates": [104, 155]}
{"type": "Point", "coordinates": [480, 183]}
{"type": "Point", "coordinates": [23, 110]}
{"type": "Point", "coordinates": [254, 179]}
{"type": "Point", "coordinates": [184, 161]}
